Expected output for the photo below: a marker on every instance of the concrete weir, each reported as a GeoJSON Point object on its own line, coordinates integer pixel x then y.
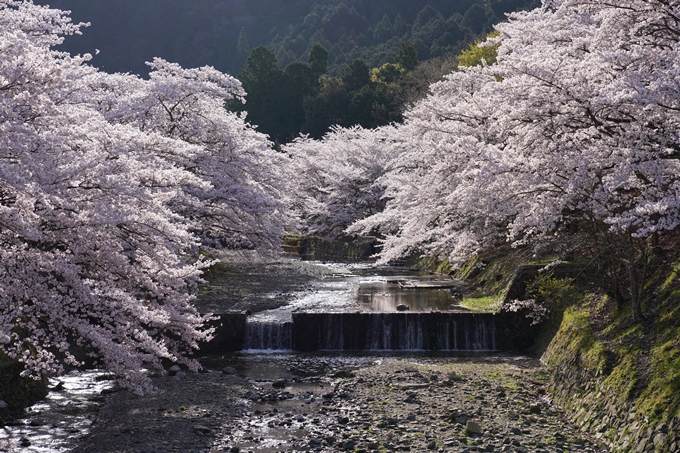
{"type": "Point", "coordinates": [394, 331]}
{"type": "Point", "coordinates": [434, 331]}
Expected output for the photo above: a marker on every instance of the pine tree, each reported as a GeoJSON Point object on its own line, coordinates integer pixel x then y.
{"type": "Point", "coordinates": [383, 30]}
{"type": "Point", "coordinates": [407, 57]}
{"type": "Point", "coordinates": [400, 26]}
{"type": "Point", "coordinates": [318, 59]}
{"type": "Point", "coordinates": [242, 47]}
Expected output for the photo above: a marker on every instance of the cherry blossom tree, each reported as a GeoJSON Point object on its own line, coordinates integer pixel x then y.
{"type": "Point", "coordinates": [576, 124]}
{"type": "Point", "coordinates": [108, 184]}
{"type": "Point", "coordinates": [333, 178]}
{"type": "Point", "coordinates": [244, 207]}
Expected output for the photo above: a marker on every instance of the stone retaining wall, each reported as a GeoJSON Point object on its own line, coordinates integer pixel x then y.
{"type": "Point", "coordinates": [598, 394]}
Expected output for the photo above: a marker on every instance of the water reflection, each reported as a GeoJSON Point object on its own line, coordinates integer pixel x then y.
{"type": "Point", "coordinates": [383, 289]}
{"type": "Point", "coordinates": [386, 295]}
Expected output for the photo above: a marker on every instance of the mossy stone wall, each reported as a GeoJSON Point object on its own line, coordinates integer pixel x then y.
{"type": "Point", "coordinates": [600, 387]}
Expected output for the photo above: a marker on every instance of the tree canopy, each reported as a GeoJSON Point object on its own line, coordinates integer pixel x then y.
{"type": "Point", "coordinates": [109, 186]}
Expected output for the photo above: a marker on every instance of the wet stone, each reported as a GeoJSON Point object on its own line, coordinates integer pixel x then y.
{"type": "Point", "coordinates": [229, 370]}
{"type": "Point", "coordinates": [243, 410]}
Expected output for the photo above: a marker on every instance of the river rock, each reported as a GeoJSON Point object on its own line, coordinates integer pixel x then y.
{"type": "Point", "coordinates": [279, 384]}
{"type": "Point", "coordinates": [454, 377]}
{"type": "Point", "coordinates": [173, 370]}
{"type": "Point", "coordinates": [343, 374]}
{"type": "Point", "coordinates": [229, 370]}
{"type": "Point", "coordinates": [3, 404]}
{"type": "Point", "coordinates": [473, 427]}
{"type": "Point", "coordinates": [350, 445]}
{"type": "Point", "coordinates": [202, 429]}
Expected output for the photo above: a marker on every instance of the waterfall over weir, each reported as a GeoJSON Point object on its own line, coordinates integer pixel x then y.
{"type": "Point", "coordinates": [372, 309]}
{"type": "Point", "coordinates": [268, 335]}
{"type": "Point", "coordinates": [374, 331]}
{"type": "Point", "coordinates": [395, 331]}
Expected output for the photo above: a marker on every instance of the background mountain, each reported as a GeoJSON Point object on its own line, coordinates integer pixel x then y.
{"type": "Point", "coordinates": [221, 33]}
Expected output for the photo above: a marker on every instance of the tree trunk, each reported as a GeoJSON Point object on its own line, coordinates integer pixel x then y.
{"type": "Point", "coordinates": [634, 283]}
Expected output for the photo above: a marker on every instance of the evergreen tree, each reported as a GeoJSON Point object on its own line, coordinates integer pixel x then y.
{"type": "Point", "coordinates": [318, 59]}
{"type": "Point", "coordinates": [476, 18]}
{"type": "Point", "coordinates": [383, 30]}
{"type": "Point", "coordinates": [400, 26]}
{"type": "Point", "coordinates": [261, 79]}
{"type": "Point", "coordinates": [356, 75]}
{"type": "Point", "coordinates": [242, 47]}
{"type": "Point", "coordinates": [407, 57]}
{"type": "Point", "coordinates": [298, 83]}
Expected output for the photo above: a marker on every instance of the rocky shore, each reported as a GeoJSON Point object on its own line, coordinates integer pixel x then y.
{"type": "Point", "coordinates": [297, 403]}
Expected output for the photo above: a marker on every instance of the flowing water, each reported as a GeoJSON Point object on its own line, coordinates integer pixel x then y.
{"type": "Point", "coordinates": [63, 416]}
{"type": "Point", "coordinates": [360, 307]}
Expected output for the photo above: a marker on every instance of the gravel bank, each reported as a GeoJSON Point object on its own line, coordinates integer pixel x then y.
{"type": "Point", "coordinates": [296, 403]}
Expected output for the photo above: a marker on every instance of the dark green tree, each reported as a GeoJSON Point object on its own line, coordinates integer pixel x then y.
{"type": "Point", "coordinates": [298, 83]}
{"type": "Point", "coordinates": [260, 69]}
{"type": "Point", "coordinates": [400, 26]}
{"type": "Point", "coordinates": [407, 57]}
{"type": "Point", "coordinates": [383, 30]}
{"type": "Point", "coordinates": [262, 79]}
{"type": "Point", "coordinates": [356, 75]}
{"type": "Point", "coordinates": [242, 47]}
{"type": "Point", "coordinates": [477, 17]}
{"type": "Point", "coordinates": [318, 59]}
{"type": "Point", "coordinates": [329, 107]}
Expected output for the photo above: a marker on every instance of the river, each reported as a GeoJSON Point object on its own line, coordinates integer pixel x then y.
{"type": "Point", "coordinates": [271, 399]}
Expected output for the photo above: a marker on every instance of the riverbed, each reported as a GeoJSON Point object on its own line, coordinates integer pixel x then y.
{"type": "Point", "coordinates": [278, 401]}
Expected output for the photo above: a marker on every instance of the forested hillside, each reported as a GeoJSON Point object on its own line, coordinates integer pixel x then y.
{"type": "Point", "coordinates": [221, 33]}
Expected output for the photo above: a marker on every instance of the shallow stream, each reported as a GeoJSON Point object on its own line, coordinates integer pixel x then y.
{"type": "Point", "coordinates": [279, 402]}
